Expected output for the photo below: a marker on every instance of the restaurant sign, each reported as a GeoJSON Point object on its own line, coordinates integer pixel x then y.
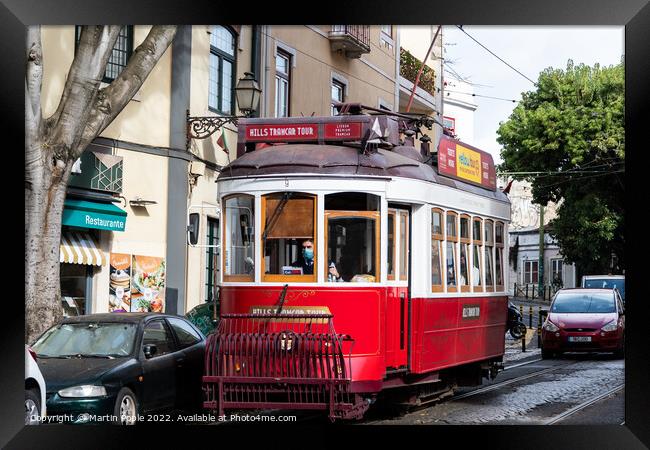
{"type": "Point", "coordinates": [466, 163]}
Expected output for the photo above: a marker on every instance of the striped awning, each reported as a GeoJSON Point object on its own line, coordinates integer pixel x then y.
{"type": "Point", "coordinates": [78, 247]}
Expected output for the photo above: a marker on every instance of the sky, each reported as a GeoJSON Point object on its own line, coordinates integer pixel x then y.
{"type": "Point", "coordinates": [529, 50]}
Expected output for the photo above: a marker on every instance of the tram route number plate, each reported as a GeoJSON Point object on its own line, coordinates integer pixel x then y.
{"type": "Point", "coordinates": [579, 338]}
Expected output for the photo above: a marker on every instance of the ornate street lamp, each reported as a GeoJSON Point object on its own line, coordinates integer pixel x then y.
{"type": "Point", "coordinates": [247, 93]}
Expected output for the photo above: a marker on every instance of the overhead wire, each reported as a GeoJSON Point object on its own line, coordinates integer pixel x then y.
{"type": "Point", "coordinates": [460, 27]}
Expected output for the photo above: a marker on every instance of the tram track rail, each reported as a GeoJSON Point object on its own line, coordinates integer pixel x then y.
{"type": "Point", "coordinates": [584, 405]}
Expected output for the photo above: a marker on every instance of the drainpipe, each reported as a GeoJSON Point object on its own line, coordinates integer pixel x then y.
{"type": "Point", "coordinates": [256, 49]}
{"type": "Point", "coordinates": [398, 63]}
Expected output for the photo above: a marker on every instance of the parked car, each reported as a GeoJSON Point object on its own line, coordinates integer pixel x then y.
{"type": "Point", "coordinates": [605, 282]}
{"type": "Point", "coordinates": [203, 317]}
{"type": "Point", "coordinates": [34, 389]}
{"type": "Point", "coordinates": [117, 366]}
{"type": "Point", "coordinates": [582, 320]}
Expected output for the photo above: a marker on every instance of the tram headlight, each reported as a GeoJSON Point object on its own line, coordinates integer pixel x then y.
{"type": "Point", "coordinates": [550, 326]}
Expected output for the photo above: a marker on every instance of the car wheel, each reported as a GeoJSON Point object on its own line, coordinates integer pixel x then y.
{"type": "Point", "coordinates": [547, 354]}
{"type": "Point", "coordinates": [32, 407]}
{"type": "Point", "coordinates": [126, 407]}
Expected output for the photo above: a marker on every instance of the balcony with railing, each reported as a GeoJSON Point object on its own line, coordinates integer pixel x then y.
{"type": "Point", "coordinates": [353, 40]}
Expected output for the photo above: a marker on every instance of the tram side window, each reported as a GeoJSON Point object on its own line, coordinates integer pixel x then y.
{"type": "Point", "coordinates": [352, 237]}
{"type": "Point", "coordinates": [476, 266]}
{"type": "Point", "coordinates": [437, 238]}
{"type": "Point", "coordinates": [452, 238]}
{"type": "Point", "coordinates": [403, 245]}
{"type": "Point", "coordinates": [464, 253]}
{"type": "Point", "coordinates": [489, 254]}
{"type": "Point", "coordinates": [239, 238]}
{"type": "Point", "coordinates": [289, 237]}
{"type": "Point", "coordinates": [391, 246]}
{"type": "Point", "coordinates": [498, 265]}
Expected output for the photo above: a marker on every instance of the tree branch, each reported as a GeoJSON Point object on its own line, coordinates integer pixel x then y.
{"type": "Point", "coordinates": [112, 99]}
{"type": "Point", "coordinates": [86, 72]}
{"type": "Point", "coordinates": [33, 81]}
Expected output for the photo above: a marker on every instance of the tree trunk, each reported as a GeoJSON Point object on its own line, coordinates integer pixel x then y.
{"type": "Point", "coordinates": [52, 145]}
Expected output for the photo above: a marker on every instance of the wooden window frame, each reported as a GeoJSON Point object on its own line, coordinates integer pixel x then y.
{"type": "Point", "coordinates": [440, 239]}
{"type": "Point", "coordinates": [224, 223]}
{"type": "Point", "coordinates": [285, 76]}
{"type": "Point", "coordinates": [391, 212]}
{"type": "Point", "coordinates": [490, 246]}
{"type": "Point", "coordinates": [232, 59]}
{"type": "Point", "coordinates": [275, 278]}
{"type": "Point", "coordinates": [355, 214]}
{"type": "Point", "coordinates": [465, 241]}
{"type": "Point", "coordinates": [479, 242]}
{"type": "Point", "coordinates": [404, 246]}
{"type": "Point", "coordinates": [454, 240]}
{"type": "Point", "coordinates": [497, 245]}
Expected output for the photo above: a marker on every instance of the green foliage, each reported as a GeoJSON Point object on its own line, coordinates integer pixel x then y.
{"type": "Point", "coordinates": [574, 123]}
{"type": "Point", "coordinates": [409, 67]}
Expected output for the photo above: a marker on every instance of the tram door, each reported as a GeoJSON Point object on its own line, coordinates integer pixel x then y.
{"type": "Point", "coordinates": [397, 299]}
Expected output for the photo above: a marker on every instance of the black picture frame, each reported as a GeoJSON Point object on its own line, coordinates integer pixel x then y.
{"type": "Point", "coordinates": [633, 14]}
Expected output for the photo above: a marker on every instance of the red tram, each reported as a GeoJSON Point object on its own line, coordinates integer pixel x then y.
{"type": "Point", "coordinates": [355, 267]}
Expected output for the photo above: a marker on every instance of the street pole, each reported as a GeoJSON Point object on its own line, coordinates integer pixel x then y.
{"type": "Point", "coordinates": [540, 271]}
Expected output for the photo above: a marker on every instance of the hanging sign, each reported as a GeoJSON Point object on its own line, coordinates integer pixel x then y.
{"type": "Point", "coordinates": [466, 163]}
{"type": "Point", "coordinates": [289, 132]}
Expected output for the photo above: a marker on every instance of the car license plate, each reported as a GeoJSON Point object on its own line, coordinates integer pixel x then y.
{"type": "Point", "coordinates": [579, 338]}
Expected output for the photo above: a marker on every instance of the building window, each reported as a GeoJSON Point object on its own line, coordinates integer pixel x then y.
{"type": "Point", "coordinates": [338, 94]}
{"type": "Point", "coordinates": [289, 237]}
{"type": "Point", "coordinates": [556, 272]}
{"type": "Point", "coordinates": [476, 265]}
{"type": "Point", "coordinates": [120, 55]}
{"type": "Point", "coordinates": [530, 272]}
{"type": "Point", "coordinates": [282, 83]}
{"type": "Point", "coordinates": [452, 238]}
{"type": "Point", "coordinates": [211, 260]}
{"type": "Point", "coordinates": [386, 36]}
{"type": "Point", "coordinates": [222, 70]}
{"type": "Point", "coordinates": [489, 255]}
{"type": "Point", "coordinates": [437, 238]}
{"type": "Point", "coordinates": [239, 238]}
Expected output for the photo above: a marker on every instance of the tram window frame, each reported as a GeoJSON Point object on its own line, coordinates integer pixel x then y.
{"type": "Point", "coordinates": [488, 224]}
{"type": "Point", "coordinates": [403, 245]}
{"type": "Point", "coordinates": [438, 239]}
{"type": "Point", "coordinates": [498, 254]}
{"type": "Point", "coordinates": [451, 239]}
{"type": "Point", "coordinates": [390, 270]}
{"type": "Point", "coordinates": [374, 215]}
{"type": "Point", "coordinates": [270, 278]}
{"type": "Point", "coordinates": [477, 244]}
{"type": "Point", "coordinates": [465, 243]}
{"type": "Point", "coordinates": [226, 249]}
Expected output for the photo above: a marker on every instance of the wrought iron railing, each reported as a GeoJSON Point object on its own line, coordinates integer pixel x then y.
{"type": "Point", "coordinates": [359, 32]}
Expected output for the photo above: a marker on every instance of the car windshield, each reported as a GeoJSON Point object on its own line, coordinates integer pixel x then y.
{"type": "Point", "coordinates": [607, 283]}
{"type": "Point", "coordinates": [594, 303]}
{"type": "Point", "coordinates": [87, 340]}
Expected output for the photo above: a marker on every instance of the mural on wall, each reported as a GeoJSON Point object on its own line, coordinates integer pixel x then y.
{"type": "Point", "coordinates": [147, 284]}
{"type": "Point", "coordinates": [119, 297]}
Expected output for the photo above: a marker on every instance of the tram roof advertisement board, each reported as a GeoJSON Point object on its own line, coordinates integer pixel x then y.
{"type": "Point", "coordinates": [466, 163]}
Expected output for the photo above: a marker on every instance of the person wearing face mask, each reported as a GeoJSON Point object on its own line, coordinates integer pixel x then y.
{"type": "Point", "coordinates": [306, 260]}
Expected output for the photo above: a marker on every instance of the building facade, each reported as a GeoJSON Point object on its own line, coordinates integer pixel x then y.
{"type": "Point", "coordinates": [124, 237]}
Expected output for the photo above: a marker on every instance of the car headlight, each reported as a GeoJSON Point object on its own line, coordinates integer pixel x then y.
{"type": "Point", "coordinates": [83, 391]}
{"type": "Point", "coordinates": [611, 326]}
{"type": "Point", "coordinates": [550, 326]}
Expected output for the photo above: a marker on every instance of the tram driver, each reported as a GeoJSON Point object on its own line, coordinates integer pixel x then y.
{"type": "Point", "coordinates": [306, 262]}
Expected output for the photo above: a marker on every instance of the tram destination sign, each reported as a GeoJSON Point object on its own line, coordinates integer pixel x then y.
{"type": "Point", "coordinates": [466, 163]}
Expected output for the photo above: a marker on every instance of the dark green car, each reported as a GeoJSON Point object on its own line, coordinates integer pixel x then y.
{"type": "Point", "coordinates": [120, 367]}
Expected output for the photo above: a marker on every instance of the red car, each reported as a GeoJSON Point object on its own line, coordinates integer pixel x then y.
{"type": "Point", "coordinates": [584, 320]}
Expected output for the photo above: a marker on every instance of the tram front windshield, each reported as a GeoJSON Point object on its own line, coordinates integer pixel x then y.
{"type": "Point", "coordinates": [351, 248]}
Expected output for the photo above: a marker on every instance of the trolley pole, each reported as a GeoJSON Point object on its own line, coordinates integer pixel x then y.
{"type": "Point", "coordinates": [540, 274]}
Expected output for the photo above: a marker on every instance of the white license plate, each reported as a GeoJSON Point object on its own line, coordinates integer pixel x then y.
{"type": "Point", "coordinates": [579, 338]}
